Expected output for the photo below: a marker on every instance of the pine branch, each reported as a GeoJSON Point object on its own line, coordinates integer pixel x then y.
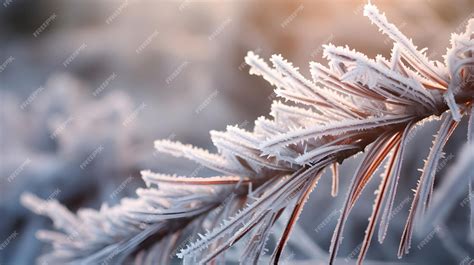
{"type": "Point", "coordinates": [353, 104]}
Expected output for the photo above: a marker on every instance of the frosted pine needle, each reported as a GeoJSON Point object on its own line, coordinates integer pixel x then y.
{"type": "Point", "coordinates": [353, 104]}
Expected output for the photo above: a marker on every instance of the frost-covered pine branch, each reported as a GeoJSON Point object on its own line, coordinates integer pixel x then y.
{"type": "Point", "coordinates": [354, 104]}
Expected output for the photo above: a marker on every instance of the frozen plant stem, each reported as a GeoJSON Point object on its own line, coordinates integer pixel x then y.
{"type": "Point", "coordinates": [354, 104]}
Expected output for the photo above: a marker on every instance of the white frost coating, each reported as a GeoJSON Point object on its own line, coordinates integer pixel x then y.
{"type": "Point", "coordinates": [351, 104]}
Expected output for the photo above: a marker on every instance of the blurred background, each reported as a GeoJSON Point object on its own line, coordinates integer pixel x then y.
{"type": "Point", "coordinates": [86, 86]}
